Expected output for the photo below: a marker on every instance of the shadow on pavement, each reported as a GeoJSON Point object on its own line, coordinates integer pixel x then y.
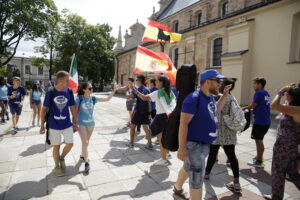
{"type": "Point", "coordinates": [44, 187]}
{"type": "Point", "coordinates": [35, 149]}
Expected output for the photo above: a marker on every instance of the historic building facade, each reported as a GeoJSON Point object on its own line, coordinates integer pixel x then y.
{"type": "Point", "coordinates": [240, 38]}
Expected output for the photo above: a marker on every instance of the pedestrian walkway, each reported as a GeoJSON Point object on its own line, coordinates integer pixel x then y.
{"type": "Point", "coordinates": [116, 171]}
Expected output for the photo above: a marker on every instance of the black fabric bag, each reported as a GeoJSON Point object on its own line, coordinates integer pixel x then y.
{"type": "Point", "coordinates": [248, 119]}
{"type": "Point", "coordinates": [185, 84]}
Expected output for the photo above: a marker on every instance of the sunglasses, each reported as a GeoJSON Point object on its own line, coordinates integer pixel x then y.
{"type": "Point", "coordinates": [216, 79]}
{"type": "Point", "coordinates": [90, 89]}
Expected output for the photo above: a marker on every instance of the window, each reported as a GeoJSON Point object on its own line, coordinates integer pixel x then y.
{"type": "Point", "coordinates": [176, 27]}
{"type": "Point", "coordinates": [217, 51]}
{"type": "Point", "coordinates": [295, 39]}
{"type": "Point", "coordinates": [198, 18]}
{"type": "Point", "coordinates": [27, 69]}
{"type": "Point", "coordinates": [41, 70]}
{"type": "Point", "coordinates": [176, 55]}
{"type": "Point", "coordinates": [224, 9]}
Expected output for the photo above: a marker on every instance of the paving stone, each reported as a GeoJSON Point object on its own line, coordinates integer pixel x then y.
{"type": "Point", "coordinates": [99, 177]}
{"type": "Point", "coordinates": [31, 162]}
{"type": "Point", "coordinates": [155, 195]}
{"type": "Point", "coordinates": [5, 179]}
{"type": "Point", "coordinates": [70, 195]}
{"type": "Point", "coordinates": [127, 172]}
{"type": "Point", "coordinates": [109, 191]}
{"type": "Point", "coordinates": [7, 167]}
{"type": "Point", "coordinates": [140, 186]}
{"type": "Point", "coordinates": [8, 153]}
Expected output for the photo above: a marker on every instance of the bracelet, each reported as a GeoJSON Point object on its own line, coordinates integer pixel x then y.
{"type": "Point", "coordinates": [281, 93]}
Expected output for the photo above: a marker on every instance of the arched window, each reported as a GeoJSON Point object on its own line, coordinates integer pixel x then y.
{"type": "Point", "coordinates": [198, 18]}
{"type": "Point", "coordinates": [224, 9]}
{"type": "Point", "coordinates": [175, 58]}
{"type": "Point", "coordinates": [176, 27]}
{"type": "Point", "coordinates": [295, 39]}
{"type": "Point", "coordinates": [217, 51]}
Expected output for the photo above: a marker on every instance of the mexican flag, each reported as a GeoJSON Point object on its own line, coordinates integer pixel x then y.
{"type": "Point", "coordinates": [73, 83]}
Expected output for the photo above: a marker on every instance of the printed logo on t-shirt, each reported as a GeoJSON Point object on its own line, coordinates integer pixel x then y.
{"type": "Point", "coordinates": [60, 102]}
{"type": "Point", "coordinates": [87, 107]}
{"type": "Point", "coordinates": [268, 100]}
{"type": "Point", "coordinates": [16, 94]}
{"type": "Point", "coordinates": [213, 114]}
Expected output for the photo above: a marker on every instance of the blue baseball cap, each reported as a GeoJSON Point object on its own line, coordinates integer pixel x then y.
{"type": "Point", "coordinates": [207, 74]}
{"type": "Point", "coordinates": [37, 82]}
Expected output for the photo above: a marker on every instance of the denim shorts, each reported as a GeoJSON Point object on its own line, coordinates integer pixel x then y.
{"type": "Point", "coordinates": [15, 110]}
{"type": "Point", "coordinates": [194, 165]}
{"type": "Point", "coordinates": [36, 102]}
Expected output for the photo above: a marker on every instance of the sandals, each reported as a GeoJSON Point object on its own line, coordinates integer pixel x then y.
{"type": "Point", "coordinates": [180, 193]}
{"type": "Point", "coordinates": [236, 187]}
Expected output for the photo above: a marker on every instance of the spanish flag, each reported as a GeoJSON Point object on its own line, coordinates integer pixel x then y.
{"type": "Point", "coordinates": [156, 32]}
{"type": "Point", "coordinates": [156, 62]}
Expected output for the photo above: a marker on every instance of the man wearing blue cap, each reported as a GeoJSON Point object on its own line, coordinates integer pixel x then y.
{"type": "Point", "coordinates": [197, 130]}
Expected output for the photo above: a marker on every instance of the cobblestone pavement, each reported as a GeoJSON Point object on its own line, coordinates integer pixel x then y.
{"type": "Point", "coordinates": [116, 171]}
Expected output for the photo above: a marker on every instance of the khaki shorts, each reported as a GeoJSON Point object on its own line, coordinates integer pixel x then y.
{"type": "Point", "coordinates": [55, 136]}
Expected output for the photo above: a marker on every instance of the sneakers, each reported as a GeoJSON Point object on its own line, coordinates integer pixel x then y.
{"type": "Point", "coordinates": [7, 116]}
{"type": "Point", "coordinates": [33, 123]}
{"type": "Point", "coordinates": [3, 121]}
{"type": "Point", "coordinates": [62, 164]}
{"type": "Point", "coordinates": [156, 142]}
{"type": "Point", "coordinates": [162, 162]}
{"type": "Point", "coordinates": [38, 124]}
{"type": "Point", "coordinates": [256, 164]}
{"type": "Point", "coordinates": [87, 167]}
{"type": "Point", "coordinates": [81, 158]}
{"type": "Point", "coordinates": [130, 144]}
{"type": "Point", "coordinates": [169, 156]}
{"type": "Point", "coordinates": [58, 172]}
{"type": "Point", "coordinates": [149, 146]}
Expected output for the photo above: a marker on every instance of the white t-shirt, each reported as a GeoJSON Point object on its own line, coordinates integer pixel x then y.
{"type": "Point", "coordinates": [161, 104]}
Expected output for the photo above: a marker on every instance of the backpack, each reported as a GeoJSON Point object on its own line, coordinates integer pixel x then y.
{"type": "Point", "coordinates": [185, 84]}
{"type": "Point", "coordinates": [144, 107]}
{"type": "Point", "coordinates": [236, 119]}
{"type": "Point", "coordinates": [52, 92]}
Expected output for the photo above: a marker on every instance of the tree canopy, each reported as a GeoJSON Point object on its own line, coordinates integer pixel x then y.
{"type": "Point", "coordinates": [21, 19]}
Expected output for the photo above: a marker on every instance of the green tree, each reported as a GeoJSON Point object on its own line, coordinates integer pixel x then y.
{"type": "Point", "coordinates": [21, 19]}
{"type": "Point", "coordinates": [92, 45]}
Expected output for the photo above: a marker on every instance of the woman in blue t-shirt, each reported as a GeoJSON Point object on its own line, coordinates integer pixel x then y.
{"type": "Point", "coordinates": [35, 101]}
{"type": "Point", "coordinates": [3, 98]}
{"type": "Point", "coordinates": [85, 109]}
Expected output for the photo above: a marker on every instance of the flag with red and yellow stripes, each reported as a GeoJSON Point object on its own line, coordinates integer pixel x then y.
{"type": "Point", "coordinates": [156, 62]}
{"type": "Point", "coordinates": [156, 32]}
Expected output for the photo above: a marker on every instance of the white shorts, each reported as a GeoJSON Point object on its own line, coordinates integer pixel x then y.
{"type": "Point", "coordinates": [55, 136]}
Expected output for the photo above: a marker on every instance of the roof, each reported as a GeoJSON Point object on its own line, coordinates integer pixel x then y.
{"type": "Point", "coordinates": [174, 7]}
{"type": "Point", "coordinates": [236, 53]}
{"type": "Point", "coordinates": [28, 54]}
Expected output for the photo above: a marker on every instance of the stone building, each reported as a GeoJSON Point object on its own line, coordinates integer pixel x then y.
{"type": "Point", "coordinates": [21, 66]}
{"type": "Point", "coordinates": [240, 38]}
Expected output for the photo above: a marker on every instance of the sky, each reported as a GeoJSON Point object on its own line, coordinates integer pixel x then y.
{"type": "Point", "coordinates": [113, 12]}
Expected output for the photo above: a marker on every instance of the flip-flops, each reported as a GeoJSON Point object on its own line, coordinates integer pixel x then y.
{"type": "Point", "coordinates": [234, 187]}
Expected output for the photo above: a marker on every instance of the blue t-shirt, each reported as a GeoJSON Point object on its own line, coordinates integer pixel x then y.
{"type": "Point", "coordinates": [36, 94]}
{"type": "Point", "coordinates": [262, 110]}
{"type": "Point", "coordinates": [86, 110]}
{"type": "Point", "coordinates": [59, 118]}
{"type": "Point", "coordinates": [3, 92]}
{"type": "Point", "coordinates": [17, 93]}
{"type": "Point", "coordinates": [153, 103]}
{"type": "Point", "coordinates": [143, 90]}
{"type": "Point", "coordinates": [203, 127]}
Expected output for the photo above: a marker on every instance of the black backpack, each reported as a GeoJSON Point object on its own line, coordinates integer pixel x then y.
{"type": "Point", "coordinates": [144, 107]}
{"type": "Point", "coordinates": [48, 112]}
{"type": "Point", "coordinates": [185, 84]}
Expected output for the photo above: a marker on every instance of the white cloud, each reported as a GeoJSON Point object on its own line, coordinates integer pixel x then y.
{"type": "Point", "coordinates": [113, 12]}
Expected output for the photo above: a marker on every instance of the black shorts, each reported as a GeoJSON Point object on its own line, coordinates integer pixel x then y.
{"type": "Point", "coordinates": [153, 114]}
{"type": "Point", "coordinates": [158, 124]}
{"type": "Point", "coordinates": [259, 131]}
{"type": "Point", "coordinates": [138, 118]}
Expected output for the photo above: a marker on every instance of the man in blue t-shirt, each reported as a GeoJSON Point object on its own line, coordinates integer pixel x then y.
{"type": "Point", "coordinates": [197, 130]}
{"type": "Point", "coordinates": [16, 95]}
{"type": "Point", "coordinates": [261, 110]}
{"type": "Point", "coordinates": [141, 113]}
{"type": "Point", "coordinates": [57, 101]}
{"type": "Point", "coordinates": [152, 89]}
